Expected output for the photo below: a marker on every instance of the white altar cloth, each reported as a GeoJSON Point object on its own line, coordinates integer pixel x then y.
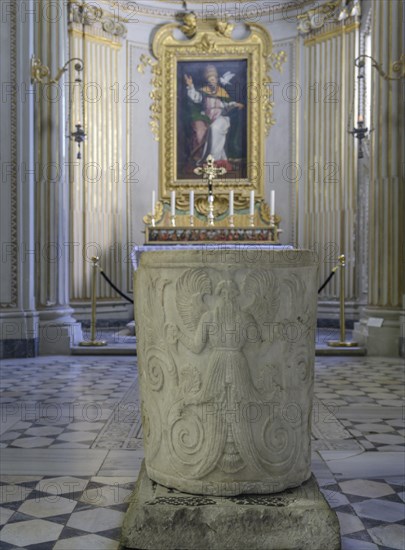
{"type": "Point", "coordinates": [245, 250]}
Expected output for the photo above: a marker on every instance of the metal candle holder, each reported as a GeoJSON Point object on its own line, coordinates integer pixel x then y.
{"type": "Point", "coordinates": [210, 209]}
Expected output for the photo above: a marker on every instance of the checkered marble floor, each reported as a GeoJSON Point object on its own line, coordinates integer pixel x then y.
{"type": "Point", "coordinates": [71, 449]}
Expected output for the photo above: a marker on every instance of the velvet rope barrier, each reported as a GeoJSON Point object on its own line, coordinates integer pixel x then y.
{"type": "Point", "coordinates": [109, 281]}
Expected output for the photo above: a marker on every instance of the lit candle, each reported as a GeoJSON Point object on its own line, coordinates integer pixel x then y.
{"type": "Point", "coordinates": [173, 202]}
{"type": "Point", "coordinates": [360, 119]}
{"type": "Point", "coordinates": [272, 203]}
{"type": "Point", "coordinates": [191, 203]}
{"type": "Point", "coordinates": [153, 202]}
{"type": "Point", "coordinates": [231, 202]}
{"type": "Point", "coordinates": [252, 203]}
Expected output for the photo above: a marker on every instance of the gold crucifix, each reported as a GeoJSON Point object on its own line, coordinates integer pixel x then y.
{"type": "Point", "coordinates": [210, 171]}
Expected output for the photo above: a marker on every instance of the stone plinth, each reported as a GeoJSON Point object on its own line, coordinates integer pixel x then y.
{"type": "Point", "coordinates": [161, 518]}
{"type": "Point", "coordinates": [226, 342]}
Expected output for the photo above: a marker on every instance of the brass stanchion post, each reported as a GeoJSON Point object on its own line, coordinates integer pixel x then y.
{"type": "Point", "coordinates": [342, 342]}
{"type": "Point", "coordinates": [93, 341]}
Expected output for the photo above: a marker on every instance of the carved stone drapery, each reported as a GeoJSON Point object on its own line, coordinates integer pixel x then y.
{"type": "Point", "coordinates": [226, 353]}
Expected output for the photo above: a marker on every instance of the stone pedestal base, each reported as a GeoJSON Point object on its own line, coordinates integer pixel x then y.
{"type": "Point", "coordinates": [381, 341]}
{"type": "Point", "coordinates": [161, 518]}
{"type": "Point", "coordinates": [57, 339]}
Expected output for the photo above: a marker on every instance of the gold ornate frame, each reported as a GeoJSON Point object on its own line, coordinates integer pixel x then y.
{"type": "Point", "coordinates": [210, 40]}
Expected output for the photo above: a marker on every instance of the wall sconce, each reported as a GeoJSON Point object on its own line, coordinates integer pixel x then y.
{"type": "Point", "coordinates": [40, 73]}
{"type": "Point", "coordinates": [79, 136]}
{"type": "Point", "coordinates": [360, 133]}
{"type": "Point", "coordinates": [397, 66]}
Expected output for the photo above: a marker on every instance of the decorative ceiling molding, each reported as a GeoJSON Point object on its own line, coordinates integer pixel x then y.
{"type": "Point", "coordinates": [226, 9]}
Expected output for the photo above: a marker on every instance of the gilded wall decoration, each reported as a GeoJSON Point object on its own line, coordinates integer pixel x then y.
{"type": "Point", "coordinates": [211, 94]}
{"type": "Point", "coordinates": [87, 14]}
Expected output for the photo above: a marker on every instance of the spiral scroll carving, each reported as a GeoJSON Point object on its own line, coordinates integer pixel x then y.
{"type": "Point", "coordinates": [281, 445]}
{"type": "Point", "coordinates": [186, 440]}
{"type": "Point", "coordinates": [154, 372]}
{"type": "Point", "coordinates": [151, 426]}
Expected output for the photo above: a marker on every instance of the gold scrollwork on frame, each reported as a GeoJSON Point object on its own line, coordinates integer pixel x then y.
{"type": "Point", "coordinates": [211, 94]}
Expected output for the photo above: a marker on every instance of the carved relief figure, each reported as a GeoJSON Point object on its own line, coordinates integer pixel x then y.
{"type": "Point", "coordinates": [227, 389]}
{"type": "Point", "coordinates": [226, 352]}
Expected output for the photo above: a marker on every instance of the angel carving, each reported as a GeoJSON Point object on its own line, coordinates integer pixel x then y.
{"type": "Point", "coordinates": [213, 317]}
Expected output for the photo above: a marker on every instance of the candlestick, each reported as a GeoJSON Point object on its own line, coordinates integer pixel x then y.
{"type": "Point", "coordinates": [191, 203]}
{"type": "Point", "coordinates": [231, 202]}
{"type": "Point", "coordinates": [252, 203]}
{"type": "Point", "coordinates": [173, 203]}
{"type": "Point", "coordinates": [210, 209]}
{"type": "Point", "coordinates": [272, 202]}
{"type": "Point", "coordinates": [153, 208]}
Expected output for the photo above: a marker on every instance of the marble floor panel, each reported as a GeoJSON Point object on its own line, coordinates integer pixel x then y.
{"type": "Point", "coordinates": [71, 449]}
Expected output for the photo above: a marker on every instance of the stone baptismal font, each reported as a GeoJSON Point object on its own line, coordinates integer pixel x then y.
{"type": "Point", "coordinates": [226, 345]}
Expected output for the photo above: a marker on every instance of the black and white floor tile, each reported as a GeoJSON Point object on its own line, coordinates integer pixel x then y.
{"type": "Point", "coordinates": [71, 449]}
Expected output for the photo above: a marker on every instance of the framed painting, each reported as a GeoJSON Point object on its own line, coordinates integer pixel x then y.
{"type": "Point", "coordinates": [211, 95]}
{"type": "Point", "coordinates": [211, 116]}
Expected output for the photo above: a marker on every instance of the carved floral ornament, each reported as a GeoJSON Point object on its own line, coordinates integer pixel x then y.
{"type": "Point", "coordinates": [209, 41]}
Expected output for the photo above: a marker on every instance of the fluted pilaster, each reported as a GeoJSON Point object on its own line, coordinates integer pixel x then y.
{"type": "Point", "coordinates": [330, 194]}
{"type": "Point", "coordinates": [57, 327]}
{"type": "Point", "coordinates": [386, 205]}
{"type": "Point", "coordinates": [98, 182]}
